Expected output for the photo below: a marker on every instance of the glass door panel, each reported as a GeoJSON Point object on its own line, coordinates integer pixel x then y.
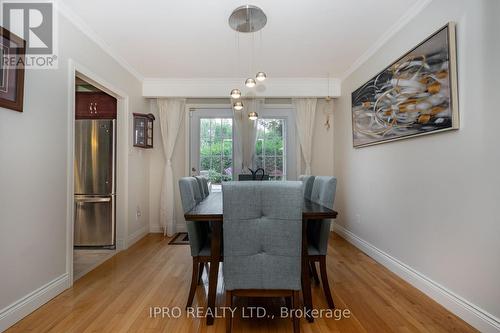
{"type": "Point", "coordinates": [212, 145]}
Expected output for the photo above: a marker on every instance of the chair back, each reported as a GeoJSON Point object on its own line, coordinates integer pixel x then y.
{"type": "Point", "coordinates": [197, 231]}
{"type": "Point", "coordinates": [323, 192]}
{"type": "Point", "coordinates": [246, 177]}
{"type": "Point", "coordinates": [262, 235]}
{"type": "Point", "coordinates": [203, 186]}
{"type": "Point", "coordinates": [204, 182]}
{"type": "Point", "coordinates": [197, 191]}
{"type": "Point", "coordinates": [307, 182]}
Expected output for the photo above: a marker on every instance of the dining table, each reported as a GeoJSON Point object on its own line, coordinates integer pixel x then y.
{"type": "Point", "coordinates": [210, 210]}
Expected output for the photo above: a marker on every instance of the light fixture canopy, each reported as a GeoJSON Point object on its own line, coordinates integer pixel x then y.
{"type": "Point", "coordinates": [261, 76]}
{"type": "Point", "coordinates": [235, 93]}
{"type": "Point", "coordinates": [247, 18]}
{"type": "Point", "coordinates": [250, 83]}
{"type": "Point", "coordinates": [238, 106]}
{"type": "Point", "coordinates": [253, 115]}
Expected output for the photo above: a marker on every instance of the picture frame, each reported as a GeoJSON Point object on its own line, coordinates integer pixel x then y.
{"type": "Point", "coordinates": [12, 57]}
{"type": "Point", "coordinates": [415, 95]}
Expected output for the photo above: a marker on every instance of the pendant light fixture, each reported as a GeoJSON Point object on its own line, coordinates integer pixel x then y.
{"type": "Point", "coordinates": [250, 83]}
{"type": "Point", "coordinates": [238, 106]}
{"type": "Point", "coordinates": [235, 93]}
{"type": "Point", "coordinates": [261, 76]}
{"type": "Point", "coordinates": [247, 19]}
{"type": "Point", "coordinates": [253, 115]}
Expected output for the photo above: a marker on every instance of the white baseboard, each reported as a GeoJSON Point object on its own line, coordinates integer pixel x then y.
{"type": "Point", "coordinates": [137, 235]}
{"type": "Point", "coordinates": [29, 303]}
{"type": "Point", "coordinates": [181, 227]}
{"type": "Point", "coordinates": [475, 316]}
{"type": "Point", "coordinates": [120, 244]}
{"type": "Point", "coordinates": [157, 229]}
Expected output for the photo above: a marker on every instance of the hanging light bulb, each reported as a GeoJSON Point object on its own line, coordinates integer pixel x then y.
{"type": "Point", "coordinates": [253, 115]}
{"type": "Point", "coordinates": [238, 106]}
{"type": "Point", "coordinates": [235, 93]}
{"type": "Point", "coordinates": [261, 76]}
{"type": "Point", "coordinates": [250, 83]}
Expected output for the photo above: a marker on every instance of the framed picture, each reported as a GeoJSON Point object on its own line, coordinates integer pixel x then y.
{"type": "Point", "coordinates": [416, 95]}
{"type": "Point", "coordinates": [12, 51]}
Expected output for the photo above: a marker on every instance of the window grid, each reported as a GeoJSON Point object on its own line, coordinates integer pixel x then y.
{"type": "Point", "coordinates": [217, 138]}
{"type": "Point", "coordinates": [262, 154]}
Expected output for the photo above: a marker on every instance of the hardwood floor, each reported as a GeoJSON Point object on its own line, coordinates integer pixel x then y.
{"type": "Point", "coordinates": [117, 297]}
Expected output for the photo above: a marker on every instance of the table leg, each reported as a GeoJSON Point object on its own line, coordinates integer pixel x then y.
{"type": "Point", "coordinates": [306, 279]}
{"type": "Point", "coordinates": [214, 269]}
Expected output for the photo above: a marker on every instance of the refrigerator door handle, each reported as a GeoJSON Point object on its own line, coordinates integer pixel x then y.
{"type": "Point", "coordinates": [80, 199]}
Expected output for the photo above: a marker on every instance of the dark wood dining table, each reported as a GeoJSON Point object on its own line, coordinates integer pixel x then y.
{"type": "Point", "coordinates": [210, 210]}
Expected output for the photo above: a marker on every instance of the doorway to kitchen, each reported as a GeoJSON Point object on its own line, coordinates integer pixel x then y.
{"type": "Point", "coordinates": [94, 227]}
{"type": "Point", "coordinates": [97, 164]}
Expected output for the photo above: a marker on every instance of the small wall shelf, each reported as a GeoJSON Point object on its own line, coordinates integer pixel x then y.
{"type": "Point", "coordinates": [143, 130]}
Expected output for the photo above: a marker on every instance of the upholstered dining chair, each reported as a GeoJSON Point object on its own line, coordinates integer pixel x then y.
{"type": "Point", "coordinates": [318, 232]}
{"type": "Point", "coordinates": [262, 241]}
{"type": "Point", "coordinates": [307, 182]}
{"type": "Point", "coordinates": [199, 240]}
{"type": "Point", "coordinates": [203, 185]}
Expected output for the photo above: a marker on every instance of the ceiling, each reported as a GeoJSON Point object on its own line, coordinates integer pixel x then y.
{"type": "Point", "coordinates": [192, 39]}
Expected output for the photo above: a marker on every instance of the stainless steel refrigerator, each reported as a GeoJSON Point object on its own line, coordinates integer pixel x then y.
{"type": "Point", "coordinates": [94, 183]}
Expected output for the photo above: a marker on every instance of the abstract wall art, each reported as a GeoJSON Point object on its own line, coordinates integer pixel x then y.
{"type": "Point", "coordinates": [416, 95]}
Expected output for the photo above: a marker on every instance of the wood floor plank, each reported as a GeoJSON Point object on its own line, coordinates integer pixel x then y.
{"type": "Point", "coordinates": [117, 297]}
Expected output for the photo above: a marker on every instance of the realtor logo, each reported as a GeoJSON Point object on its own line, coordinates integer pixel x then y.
{"type": "Point", "coordinates": [35, 23]}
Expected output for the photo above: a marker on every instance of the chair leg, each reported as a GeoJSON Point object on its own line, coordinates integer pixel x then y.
{"type": "Point", "coordinates": [229, 316]}
{"type": "Point", "coordinates": [296, 306]}
{"type": "Point", "coordinates": [200, 274]}
{"type": "Point", "coordinates": [324, 282]}
{"type": "Point", "coordinates": [314, 272]}
{"type": "Point", "coordinates": [194, 282]}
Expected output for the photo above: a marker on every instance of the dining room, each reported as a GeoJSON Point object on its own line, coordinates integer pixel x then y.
{"type": "Point", "coordinates": [274, 166]}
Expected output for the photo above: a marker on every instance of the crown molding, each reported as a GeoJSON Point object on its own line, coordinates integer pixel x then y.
{"type": "Point", "coordinates": [71, 16]}
{"type": "Point", "coordinates": [395, 28]}
{"type": "Point", "coordinates": [220, 88]}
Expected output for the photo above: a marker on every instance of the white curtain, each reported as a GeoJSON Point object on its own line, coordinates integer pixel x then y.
{"type": "Point", "coordinates": [245, 135]}
{"type": "Point", "coordinates": [305, 111]}
{"type": "Point", "coordinates": [171, 114]}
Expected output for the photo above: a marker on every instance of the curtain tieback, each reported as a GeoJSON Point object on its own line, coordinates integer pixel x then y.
{"type": "Point", "coordinates": [169, 162]}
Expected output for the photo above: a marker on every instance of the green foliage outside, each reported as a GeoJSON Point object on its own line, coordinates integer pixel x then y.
{"type": "Point", "coordinates": [216, 147]}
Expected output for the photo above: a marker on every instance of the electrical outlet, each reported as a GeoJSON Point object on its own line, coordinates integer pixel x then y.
{"type": "Point", "coordinates": [138, 213]}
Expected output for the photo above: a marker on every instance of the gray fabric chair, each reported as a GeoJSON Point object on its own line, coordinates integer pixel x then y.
{"type": "Point", "coordinates": [197, 190]}
{"type": "Point", "coordinates": [308, 182]}
{"type": "Point", "coordinates": [199, 240]}
{"type": "Point", "coordinates": [204, 181]}
{"type": "Point", "coordinates": [318, 232]}
{"type": "Point", "coordinates": [203, 186]}
{"type": "Point", "coordinates": [262, 240]}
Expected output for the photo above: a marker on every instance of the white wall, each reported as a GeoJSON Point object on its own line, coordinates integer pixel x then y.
{"type": "Point", "coordinates": [322, 159]}
{"type": "Point", "coordinates": [33, 169]}
{"type": "Point", "coordinates": [432, 202]}
{"type": "Point", "coordinates": [322, 150]}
